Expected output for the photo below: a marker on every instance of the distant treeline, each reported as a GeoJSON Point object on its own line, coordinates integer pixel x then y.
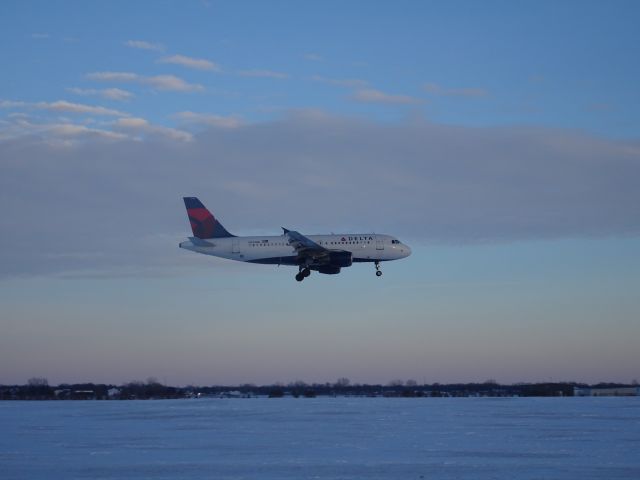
{"type": "Point", "coordinates": [39, 389]}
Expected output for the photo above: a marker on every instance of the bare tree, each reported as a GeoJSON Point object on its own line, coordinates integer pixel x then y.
{"type": "Point", "coordinates": [38, 388]}
{"type": "Point", "coordinates": [153, 381]}
{"type": "Point", "coordinates": [38, 382]}
{"type": "Point", "coordinates": [342, 382]}
{"type": "Point", "coordinates": [297, 384]}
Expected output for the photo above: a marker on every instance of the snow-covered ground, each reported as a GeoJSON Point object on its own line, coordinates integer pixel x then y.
{"type": "Point", "coordinates": [328, 438]}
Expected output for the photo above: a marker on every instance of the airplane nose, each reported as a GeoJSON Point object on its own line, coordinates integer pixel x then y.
{"type": "Point", "coordinates": [407, 250]}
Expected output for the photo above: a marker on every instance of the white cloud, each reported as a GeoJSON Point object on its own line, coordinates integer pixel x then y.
{"type": "Point", "coordinates": [263, 73]}
{"type": "Point", "coordinates": [109, 93]}
{"type": "Point", "coordinates": [159, 82]}
{"type": "Point", "coordinates": [370, 95]}
{"type": "Point", "coordinates": [140, 125]}
{"type": "Point", "coordinates": [190, 62]}
{"type": "Point", "coordinates": [141, 44]}
{"type": "Point", "coordinates": [436, 89]}
{"type": "Point", "coordinates": [344, 82]}
{"type": "Point", "coordinates": [209, 119]}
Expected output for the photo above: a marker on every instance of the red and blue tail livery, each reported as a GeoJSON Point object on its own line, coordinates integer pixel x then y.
{"type": "Point", "coordinates": [203, 224]}
{"type": "Point", "coordinates": [327, 254]}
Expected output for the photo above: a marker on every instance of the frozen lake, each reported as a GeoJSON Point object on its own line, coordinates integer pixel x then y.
{"type": "Point", "coordinates": [324, 438]}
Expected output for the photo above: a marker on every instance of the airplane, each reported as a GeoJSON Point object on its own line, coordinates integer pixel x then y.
{"type": "Point", "coordinates": [326, 254]}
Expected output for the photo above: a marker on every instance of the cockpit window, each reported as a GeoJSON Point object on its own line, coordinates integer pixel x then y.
{"type": "Point", "coordinates": [394, 241]}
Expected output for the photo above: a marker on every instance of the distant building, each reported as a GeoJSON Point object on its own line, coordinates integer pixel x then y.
{"type": "Point", "coordinates": [606, 392]}
{"type": "Point", "coordinates": [62, 394]}
{"type": "Point", "coordinates": [83, 395]}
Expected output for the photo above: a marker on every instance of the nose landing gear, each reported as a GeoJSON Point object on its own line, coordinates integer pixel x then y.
{"type": "Point", "coordinates": [303, 273]}
{"type": "Point", "coordinates": [378, 271]}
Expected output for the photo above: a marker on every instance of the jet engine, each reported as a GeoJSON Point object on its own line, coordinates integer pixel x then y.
{"type": "Point", "coordinates": [329, 270]}
{"type": "Point", "coordinates": [340, 259]}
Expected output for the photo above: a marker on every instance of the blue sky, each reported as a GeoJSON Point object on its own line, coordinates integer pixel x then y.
{"type": "Point", "coordinates": [500, 140]}
{"type": "Point", "coordinates": [568, 64]}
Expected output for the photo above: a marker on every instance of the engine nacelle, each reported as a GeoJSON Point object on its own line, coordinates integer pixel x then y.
{"type": "Point", "coordinates": [340, 259]}
{"type": "Point", "coordinates": [329, 270]}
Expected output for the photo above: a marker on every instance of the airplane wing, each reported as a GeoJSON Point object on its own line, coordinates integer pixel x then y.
{"type": "Point", "coordinates": [315, 256]}
{"type": "Point", "coordinates": [302, 244]}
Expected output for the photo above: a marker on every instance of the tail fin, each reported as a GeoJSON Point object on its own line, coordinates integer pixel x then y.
{"type": "Point", "coordinates": [203, 223]}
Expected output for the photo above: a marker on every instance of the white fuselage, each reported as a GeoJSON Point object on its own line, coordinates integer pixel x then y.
{"type": "Point", "coordinates": [277, 250]}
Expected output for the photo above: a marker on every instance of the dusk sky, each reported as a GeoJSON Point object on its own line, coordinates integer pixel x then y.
{"type": "Point", "coordinates": [500, 140]}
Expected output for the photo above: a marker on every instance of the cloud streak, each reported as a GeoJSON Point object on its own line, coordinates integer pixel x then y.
{"type": "Point", "coordinates": [313, 57]}
{"type": "Point", "coordinates": [263, 74]}
{"type": "Point", "coordinates": [108, 93]}
{"type": "Point", "coordinates": [65, 107]}
{"type": "Point", "coordinates": [142, 45]}
{"type": "Point", "coordinates": [435, 89]}
{"type": "Point", "coordinates": [140, 125]}
{"type": "Point", "coordinates": [370, 95]}
{"type": "Point", "coordinates": [158, 82]}
{"type": "Point", "coordinates": [54, 133]}
{"type": "Point", "coordinates": [63, 132]}
{"type": "Point", "coordinates": [72, 130]}
{"type": "Point", "coordinates": [113, 76]}
{"type": "Point", "coordinates": [171, 82]}
{"type": "Point", "coordinates": [190, 62]}
{"type": "Point", "coordinates": [209, 119]}
{"type": "Point", "coordinates": [344, 82]}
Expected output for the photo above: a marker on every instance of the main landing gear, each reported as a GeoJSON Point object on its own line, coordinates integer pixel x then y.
{"type": "Point", "coordinates": [378, 271]}
{"type": "Point", "coordinates": [303, 273]}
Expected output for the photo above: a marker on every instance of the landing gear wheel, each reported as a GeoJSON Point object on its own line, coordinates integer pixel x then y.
{"type": "Point", "coordinates": [305, 273]}
{"type": "Point", "coordinates": [299, 277]}
{"type": "Point", "coordinates": [378, 273]}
